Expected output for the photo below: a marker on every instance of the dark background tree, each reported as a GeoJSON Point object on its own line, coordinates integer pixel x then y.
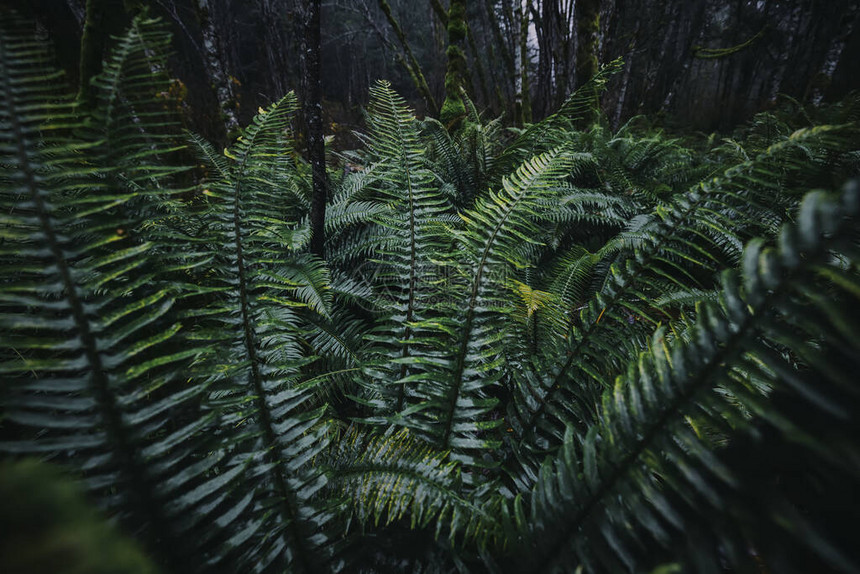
{"type": "Point", "coordinates": [104, 18]}
{"type": "Point", "coordinates": [587, 40]}
{"type": "Point", "coordinates": [312, 99]}
{"type": "Point", "coordinates": [703, 64]}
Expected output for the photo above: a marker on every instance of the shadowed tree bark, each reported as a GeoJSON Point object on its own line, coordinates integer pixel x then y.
{"type": "Point", "coordinates": [524, 113]}
{"type": "Point", "coordinates": [314, 123]}
{"type": "Point", "coordinates": [104, 18]}
{"type": "Point", "coordinates": [440, 11]}
{"type": "Point", "coordinates": [216, 67]}
{"type": "Point", "coordinates": [477, 59]}
{"type": "Point", "coordinates": [587, 35]}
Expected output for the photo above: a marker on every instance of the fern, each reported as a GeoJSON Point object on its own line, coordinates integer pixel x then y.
{"type": "Point", "coordinates": [453, 390]}
{"type": "Point", "coordinates": [255, 324]}
{"type": "Point", "coordinates": [401, 271]}
{"type": "Point", "coordinates": [693, 230]}
{"type": "Point", "coordinates": [543, 357]}
{"type": "Point", "coordinates": [90, 344]}
{"type": "Point", "coordinates": [645, 464]}
{"type": "Point", "coordinates": [393, 476]}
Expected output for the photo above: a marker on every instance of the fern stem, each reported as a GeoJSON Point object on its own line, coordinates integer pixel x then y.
{"type": "Point", "coordinates": [460, 364]}
{"type": "Point", "coordinates": [256, 380]}
{"type": "Point", "coordinates": [410, 308]}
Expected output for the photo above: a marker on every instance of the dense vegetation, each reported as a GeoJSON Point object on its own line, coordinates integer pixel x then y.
{"type": "Point", "coordinates": [550, 349]}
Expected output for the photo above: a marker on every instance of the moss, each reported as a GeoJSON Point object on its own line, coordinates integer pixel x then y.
{"type": "Point", "coordinates": [453, 108]}
{"type": "Point", "coordinates": [587, 63]}
{"type": "Point", "coordinates": [588, 31]}
{"type": "Point", "coordinates": [455, 54]}
{"type": "Point", "coordinates": [457, 22]}
{"type": "Point", "coordinates": [453, 111]}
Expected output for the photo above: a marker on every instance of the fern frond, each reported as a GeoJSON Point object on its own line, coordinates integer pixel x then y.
{"type": "Point", "coordinates": [393, 477]}
{"type": "Point", "coordinates": [677, 249]}
{"type": "Point", "coordinates": [464, 158]}
{"type": "Point", "coordinates": [255, 322]}
{"type": "Point", "coordinates": [135, 122]}
{"type": "Point", "coordinates": [644, 478]}
{"type": "Point", "coordinates": [546, 134]}
{"type": "Point", "coordinates": [95, 357]}
{"type": "Point", "coordinates": [401, 271]}
{"type": "Point", "coordinates": [453, 386]}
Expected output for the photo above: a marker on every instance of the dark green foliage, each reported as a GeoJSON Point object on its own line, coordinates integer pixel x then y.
{"type": "Point", "coordinates": [595, 349]}
{"type": "Point", "coordinates": [48, 527]}
{"type": "Point", "coordinates": [90, 329]}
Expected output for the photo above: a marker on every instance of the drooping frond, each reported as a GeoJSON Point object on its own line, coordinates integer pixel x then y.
{"type": "Point", "coordinates": [94, 372]}
{"type": "Point", "coordinates": [263, 287]}
{"type": "Point", "coordinates": [681, 246]}
{"type": "Point", "coordinates": [393, 477]}
{"type": "Point", "coordinates": [774, 361]}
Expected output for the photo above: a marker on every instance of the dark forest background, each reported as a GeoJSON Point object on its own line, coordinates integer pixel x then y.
{"type": "Point", "coordinates": [702, 64]}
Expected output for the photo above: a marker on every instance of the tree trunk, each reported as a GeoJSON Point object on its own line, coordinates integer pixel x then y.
{"type": "Point", "coordinates": [525, 92]}
{"type": "Point", "coordinates": [410, 63]}
{"type": "Point", "coordinates": [274, 45]}
{"type": "Point", "coordinates": [479, 66]}
{"type": "Point", "coordinates": [834, 54]}
{"type": "Point", "coordinates": [78, 10]}
{"type": "Point", "coordinates": [216, 67]}
{"type": "Point", "coordinates": [587, 33]}
{"type": "Point", "coordinates": [453, 108]}
{"type": "Point", "coordinates": [503, 88]}
{"type": "Point", "coordinates": [440, 12]}
{"type": "Point", "coordinates": [104, 18]}
{"type": "Point", "coordinates": [314, 124]}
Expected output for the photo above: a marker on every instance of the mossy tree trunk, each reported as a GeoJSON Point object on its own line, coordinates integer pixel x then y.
{"type": "Point", "coordinates": [587, 37]}
{"type": "Point", "coordinates": [453, 108]}
{"type": "Point", "coordinates": [409, 62]}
